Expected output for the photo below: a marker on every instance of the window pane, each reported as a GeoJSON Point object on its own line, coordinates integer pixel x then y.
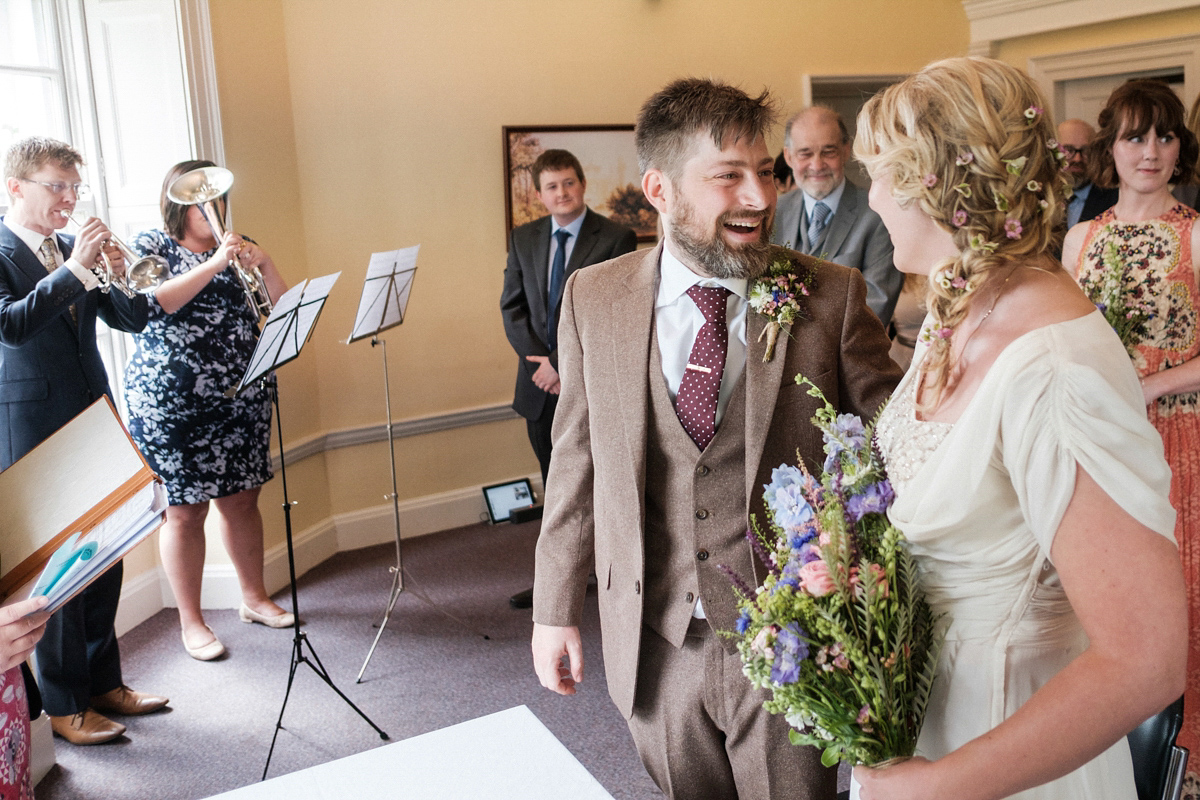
{"type": "Point", "coordinates": [26, 33]}
{"type": "Point", "coordinates": [32, 107]}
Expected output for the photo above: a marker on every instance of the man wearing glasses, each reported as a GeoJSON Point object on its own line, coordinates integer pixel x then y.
{"type": "Point", "coordinates": [1089, 200]}
{"type": "Point", "coordinates": [50, 370]}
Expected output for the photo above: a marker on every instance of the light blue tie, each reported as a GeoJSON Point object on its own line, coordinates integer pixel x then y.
{"type": "Point", "coordinates": [557, 268]}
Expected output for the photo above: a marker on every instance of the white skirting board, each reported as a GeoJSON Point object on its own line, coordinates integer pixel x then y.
{"type": "Point", "coordinates": [145, 595]}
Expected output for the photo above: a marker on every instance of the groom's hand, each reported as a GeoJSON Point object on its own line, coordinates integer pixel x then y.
{"type": "Point", "coordinates": [550, 645]}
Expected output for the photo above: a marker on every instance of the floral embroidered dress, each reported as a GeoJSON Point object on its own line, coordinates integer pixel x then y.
{"type": "Point", "coordinates": [1157, 255]}
{"type": "Point", "coordinates": [980, 501]}
{"type": "Point", "coordinates": [14, 737]}
{"type": "Point", "coordinates": [202, 443]}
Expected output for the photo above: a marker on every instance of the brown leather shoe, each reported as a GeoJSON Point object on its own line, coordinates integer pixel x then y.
{"type": "Point", "coordinates": [124, 700]}
{"type": "Point", "coordinates": [86, 727]}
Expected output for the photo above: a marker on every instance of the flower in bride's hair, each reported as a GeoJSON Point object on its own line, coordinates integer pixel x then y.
{"type": "Point", "coordinates": [959, 282]}
{"type": "Point", "coordinates": [1033, 186]}
{"type": "Point", "coordinates": [964, 158]}
{"type": "Point", "coordinates": [1015, 165]}
{"type": "Point", "coordinates": [1052, 144]}
{"type": "Point", "coordinates": [929, 181]}
{"type": "Point", "coordinates": [960, 218]}
{"type": "Point", "coordinates": [1032, 113]}
{"type": "Point", "coordinates": [963, 189]}
{"type": "Point", "coordinates": [1012, 228]}
{"type": "Point", "coordinates": [977, 242]}
{"type": "Point", "coordinates": [943, 279]}
{"type": "Point", "coordinates": [1044, 204]}
{"type": "Point", "coordinates": [1000, 200]}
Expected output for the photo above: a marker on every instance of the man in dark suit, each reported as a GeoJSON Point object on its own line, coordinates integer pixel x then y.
{"type": "Point", "coordinates": [828, 216]}
{"type": "Point", "coordinates": [50, 370]}
{"type": "Point", "coordinates": [541, 255]}
{"type": "Point", "coordinates": [670, 421]}
{"type": "Point", "coordinates": [1088, 199]}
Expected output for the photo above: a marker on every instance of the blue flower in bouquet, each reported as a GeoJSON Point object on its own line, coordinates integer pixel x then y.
{"type": "Point", "coordinates": [790, 509]}
{"type": "Point", "coordinates": [782, 477]}
{"type": "Point", "coordinates": [743, 622]}
{"type": "Point", "coordinates": [874, 500]}
{"type": "Point", "coordinates": [790, 649]}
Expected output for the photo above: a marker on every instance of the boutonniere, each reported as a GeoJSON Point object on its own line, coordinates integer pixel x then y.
{"type": "Point", "coordinates": [777, 296]}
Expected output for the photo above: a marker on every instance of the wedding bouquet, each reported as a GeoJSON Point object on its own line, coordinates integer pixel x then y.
{"type": "Point", "coordinates": [1123, 308]}
{"type": "Point", "coordinates": [839, 630]}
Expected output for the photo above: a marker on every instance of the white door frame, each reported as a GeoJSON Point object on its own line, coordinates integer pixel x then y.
{"type": "Point", "coordinates": [1179, 52]}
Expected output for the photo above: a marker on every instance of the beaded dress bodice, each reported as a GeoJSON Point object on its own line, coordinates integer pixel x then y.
{"type": "Point", "coordinates": [905, 441]}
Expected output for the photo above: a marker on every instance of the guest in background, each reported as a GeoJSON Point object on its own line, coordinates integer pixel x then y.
{"type": "Point", "coordinates": [785, 181]}
{"type": "Point", "coordinates": [208, 448]}
{"type": "Point", "coordinates": [1087, 199]}
{"type": "Point", "coordinates": [1189, 192]}
{"type": "Point", "coordinates": [21, 626]}
{"type": "Point", "coordinates": [541, 256]}
{"type": "Point", "coordinates": [829, 216]}
{"type": "Point", "coordinates": [907, 319]}
{"type": "Point", "coordinates": [50, 370]}
{"type": "Point", "coordinates": [1143, 146]}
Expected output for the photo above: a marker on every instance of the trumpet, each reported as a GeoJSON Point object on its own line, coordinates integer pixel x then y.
{"type": "Point", "coordinates": [201, 187]}
{"type": "Point", "coordinates": [143, 275]}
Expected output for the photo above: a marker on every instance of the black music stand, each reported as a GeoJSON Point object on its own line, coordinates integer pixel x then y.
{"type": "Point", "coordinates": [283, 335]}
{"type": "Point", "coordinates": [382, 305]}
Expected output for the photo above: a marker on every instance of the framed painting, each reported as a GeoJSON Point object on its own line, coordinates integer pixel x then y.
{"type": "Point", "coordinates": [609, 160]}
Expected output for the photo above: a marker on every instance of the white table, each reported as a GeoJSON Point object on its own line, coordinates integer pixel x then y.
{"type": "Point", "coordinates": [509, 754]}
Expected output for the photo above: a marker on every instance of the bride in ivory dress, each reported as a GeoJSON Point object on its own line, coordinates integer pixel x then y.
{"type": "Point", "coordinates": [1031, 486]}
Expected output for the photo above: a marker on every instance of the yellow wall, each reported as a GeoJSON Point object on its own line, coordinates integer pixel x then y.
{"type": "Point", "coordinates": [1018, 51]}
{"type": "Point", "coordinates": [371, 125]}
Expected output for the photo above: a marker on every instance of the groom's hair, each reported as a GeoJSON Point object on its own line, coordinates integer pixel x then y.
{"type": "Point", "coordinates": [670, 119]}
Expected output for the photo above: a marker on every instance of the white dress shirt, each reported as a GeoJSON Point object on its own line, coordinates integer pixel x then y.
{"type": "Point", "coordinates": [677, 320]}
{"type": "Point", "coordinates": [33, 240]}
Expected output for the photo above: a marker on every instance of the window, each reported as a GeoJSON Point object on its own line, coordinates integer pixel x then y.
{"type": "Point", "coordinates": [110, 78]}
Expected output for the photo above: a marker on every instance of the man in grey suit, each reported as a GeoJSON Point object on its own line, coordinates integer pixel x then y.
{"type": "Point", "coordinates": [827, 216]}
{"type": "Point", "coordinates": [50, 370]}
{"type": "Point", "coordinates": [669, 423]}
{"type": "Point", "coordinates": [541, 255]}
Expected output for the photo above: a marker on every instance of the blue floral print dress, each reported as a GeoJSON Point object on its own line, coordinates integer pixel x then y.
{"type": "Point", "coordinates": [202, 443]}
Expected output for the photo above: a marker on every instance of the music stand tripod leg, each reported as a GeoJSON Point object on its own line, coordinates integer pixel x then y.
{"type": "Point", "coordinates": [300, 638]}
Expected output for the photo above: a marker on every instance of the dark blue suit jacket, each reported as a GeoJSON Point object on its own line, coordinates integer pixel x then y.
{"type": "Point", "coordinates": [50, 368]}
{"type": "Point", "coordinates": [523, 302]}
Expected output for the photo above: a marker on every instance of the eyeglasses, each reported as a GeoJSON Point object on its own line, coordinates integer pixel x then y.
{"type": "Point", "coordinates": [1072, 150]}
{"type": "Point", "coordinates": [81, 190]}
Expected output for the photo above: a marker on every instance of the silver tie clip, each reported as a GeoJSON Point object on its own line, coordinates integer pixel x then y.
{"type": "Point", "coordinates": [699, 368]}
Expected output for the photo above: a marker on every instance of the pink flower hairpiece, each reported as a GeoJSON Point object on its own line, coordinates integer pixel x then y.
{"type": "Point", "coordinates": [930, 180]}
{"type": "Point", "coordinates": [960, 218]}
{"type": "Point", "coordinates": [1012, 228]}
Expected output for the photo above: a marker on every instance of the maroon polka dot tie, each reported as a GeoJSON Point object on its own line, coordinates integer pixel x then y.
{"type": "Point", "coordinates": [696, 402]}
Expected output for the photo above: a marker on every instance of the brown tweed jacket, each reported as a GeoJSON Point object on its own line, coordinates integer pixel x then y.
{"type": "Point", "coordinates": [597, 481]}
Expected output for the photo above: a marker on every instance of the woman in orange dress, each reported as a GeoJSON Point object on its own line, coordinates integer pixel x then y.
{"type": "Point", "coordinates": [1143, 146]}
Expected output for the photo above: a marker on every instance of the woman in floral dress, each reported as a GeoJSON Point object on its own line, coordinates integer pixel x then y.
{"type": "Point", "coordinates": [1143, 146]}
{"type": "Point", "coordinates": [207, 447]}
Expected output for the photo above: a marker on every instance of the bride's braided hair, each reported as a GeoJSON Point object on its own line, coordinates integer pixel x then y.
{"type": "Point", "coordinates": [969, 140]}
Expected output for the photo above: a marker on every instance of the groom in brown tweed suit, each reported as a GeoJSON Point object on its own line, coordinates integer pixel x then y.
{"type": "Point", "coordinates": [660, 506]}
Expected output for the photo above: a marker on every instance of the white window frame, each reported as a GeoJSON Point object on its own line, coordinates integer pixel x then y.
{"type": "Point", "coordinates": [72, 72]}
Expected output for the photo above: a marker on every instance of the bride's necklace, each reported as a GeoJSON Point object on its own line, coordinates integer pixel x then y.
{"type": "Point", "coordinates": [991, 308]}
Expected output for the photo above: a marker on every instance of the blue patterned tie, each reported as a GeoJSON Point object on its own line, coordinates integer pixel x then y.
{"type": "Point", "coordinates": [816, 226]}
{"type": "Point", "coordinates": [557, 268]}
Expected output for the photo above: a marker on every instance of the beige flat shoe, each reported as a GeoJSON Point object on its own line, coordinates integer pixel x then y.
{"type": "Point", "coordinates": [284, 619]}
{"type": "Point", "coordinates": [205, 652]}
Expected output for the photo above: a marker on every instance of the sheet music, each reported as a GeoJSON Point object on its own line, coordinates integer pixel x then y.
{"type": "Point", "coordinates": [385, 291]}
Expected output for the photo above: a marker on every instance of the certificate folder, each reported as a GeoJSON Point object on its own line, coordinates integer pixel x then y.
{"type": "Point", "coordinates": [74, 506]}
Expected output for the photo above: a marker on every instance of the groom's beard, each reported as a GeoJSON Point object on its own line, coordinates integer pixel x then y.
{"type": "Point", "coordinates": [713, 253]}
